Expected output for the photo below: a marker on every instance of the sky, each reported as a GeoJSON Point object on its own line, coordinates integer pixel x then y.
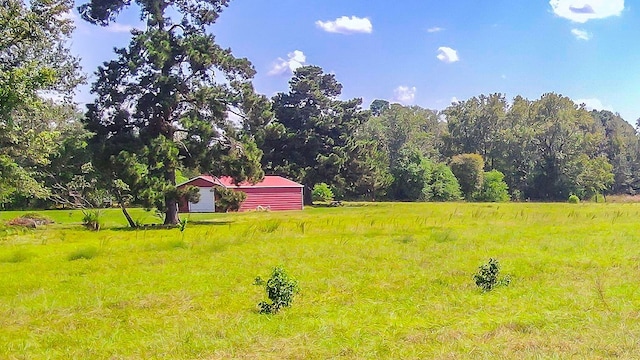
{"type": "Point", "coordinates": [424, 52]}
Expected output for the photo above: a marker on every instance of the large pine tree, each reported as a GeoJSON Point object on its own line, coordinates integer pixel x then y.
{"type": "Point", "coordinates": [164, 102]}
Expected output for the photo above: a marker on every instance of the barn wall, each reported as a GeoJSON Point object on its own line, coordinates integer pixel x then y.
{"type": "Point", "coordinates": [272, 198]}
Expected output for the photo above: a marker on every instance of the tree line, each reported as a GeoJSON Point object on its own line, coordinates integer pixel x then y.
{"type": "Point", "coordinates": [174, 104]}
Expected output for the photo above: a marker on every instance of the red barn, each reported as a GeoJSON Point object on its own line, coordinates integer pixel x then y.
{"type": "Point", "coordinates": [272, 193]}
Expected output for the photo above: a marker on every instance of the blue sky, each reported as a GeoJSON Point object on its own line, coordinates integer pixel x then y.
{"type": "Point", "coordinates": [426, 52]}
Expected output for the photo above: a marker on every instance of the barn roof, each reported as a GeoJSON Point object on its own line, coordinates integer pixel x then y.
{"type": "Point", "coordinates": [269, 181]}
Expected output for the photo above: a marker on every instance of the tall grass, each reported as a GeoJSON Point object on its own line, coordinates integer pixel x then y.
{"type": "Point", "coordinates": [378, 281]}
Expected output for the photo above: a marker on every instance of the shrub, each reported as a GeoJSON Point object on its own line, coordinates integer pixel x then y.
{"type": "Point", "coordinates": [487, 276]}
{"type": "Point", "coordinates": [322, 192]}
{"type": "Point", "coordinates": [443, 185]}
{"type": "Point", "coordinates": [574, 199]}
{"type": "Point", "coordinates": [494, 189]}
{"type": "Point", "coordinates": [228, 199]}
{"type": "Point", "coordinates": [280, 290]}
{"type": "Point", "coordinates": [92, 219]}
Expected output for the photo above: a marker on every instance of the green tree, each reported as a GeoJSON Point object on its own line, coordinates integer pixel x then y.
{"type": "Point", "coordinates": [494, 189]}
{"type": "Point", "coordinates": [411, 175]}
{"type": "Point", "coordinates": [313, 138]}
{"type": "Point", "coordinates": [468, 169]}
{"type": "Point", "coordinates": [34, 60]}
{"type": "Point", "coordinates": [164, 103]}
{"type": "Point", "coordinates": [443, 185]}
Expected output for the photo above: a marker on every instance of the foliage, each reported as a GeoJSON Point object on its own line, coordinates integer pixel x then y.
{"type": "Point", "coordinates": [468, 169]}
{"type": "Point", "coordinates": [443, 185]}
{"type": "Point", "coordinates": [280, 288]}
{"type": "Point", "coordinates": [487, 276]}
{"type": "Point", "coordinates": [229, 199]}
{"type": "Point", "coordinates": [322, 192]}
{"type": "Point", "coordinates": [34, 61]}
{"type": "Point", "coordinates": [92, 219]}
{"type": "Point", "coordinates": [573, 199]}
{"type": "Point", "coordinates": [411, 174]}
{"type": "Point", "coordinates": [164, 103]}
{"type": "Point", "coordinates": [494, 189]}
{"type": "Point", "coordinates": [312, 139]}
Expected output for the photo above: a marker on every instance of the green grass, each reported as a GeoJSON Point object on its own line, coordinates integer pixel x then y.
{"type": "Point", "coordinates": [377, 281]}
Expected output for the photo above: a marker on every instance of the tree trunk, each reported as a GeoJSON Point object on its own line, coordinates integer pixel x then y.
{"type": "Point", "coordinates": [308, 199]}
{"type": "Point", "coordinates": [126, 215]}
{"type": "Point", "coordinates": [171, 204]}
{"type": "Point", "coordinates": [171, 214]}
{"type": "Point", "coordinates": [120, 199]}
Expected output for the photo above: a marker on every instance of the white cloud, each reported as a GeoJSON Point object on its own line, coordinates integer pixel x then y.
{"type": "Point", "coordinates": [582, 11]}
{"type": "Point", "coordinates": [119, 28]}
{"type": "Point", "coordinates": [346, 25]}
{"type": "Point", "coordinates": [454, 100]}
{"type": "Point", "coordinates": [435, 29]}
{"type": "Point", "coordinates": [593, 104]}
{"type": "Point", "coordinates": [294, 60]}
{"type": "Point", "coordinates": [581, 34]}
{"type": "Point", "coordinates": [404, 94]}
{"type": "Point", "coordinates": [447, 54]}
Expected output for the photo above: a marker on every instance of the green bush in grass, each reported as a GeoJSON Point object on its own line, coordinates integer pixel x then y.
{"type": "Point", "coordinates": [280, 290]}
{"type": "Point", "coordinates": [487, 276]}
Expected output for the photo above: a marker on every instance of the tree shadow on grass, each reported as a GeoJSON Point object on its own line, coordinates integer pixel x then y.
{"type": "Point", "coordinates": [171, 227]}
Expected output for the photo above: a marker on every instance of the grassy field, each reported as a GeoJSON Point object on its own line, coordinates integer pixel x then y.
{"type": "Point", "coordinates": [377, 281]}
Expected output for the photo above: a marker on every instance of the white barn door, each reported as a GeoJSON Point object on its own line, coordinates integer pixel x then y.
{"type": "Point", "coordinates": [207, 202]}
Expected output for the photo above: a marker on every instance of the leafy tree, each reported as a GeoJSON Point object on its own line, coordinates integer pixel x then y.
{"type": "Point", "coordinates": [592, 176]}
{"type": "Point", "coordinates": [494, 189]}
{"type": "Point", "coordinates": [562, 132]}
{"type": "Point", "coordinates": [468, 169]}
{"type": "Point", "coordinates": [312, 139]}
{"type": "Point", "coordinates": [34, 59]}
{"type": "Point", "coordinates": [322, 192]}
{"type": "Point", "coordinates": [164, 103]}
{"type": "Point", "coordinates": [622, 150]}
{"type": "Point", "coordinates": [443, 185]}
{"type": "Point", "coordinates": [475, 124]}
{"type": "Point", "coordinates": [411, 175]}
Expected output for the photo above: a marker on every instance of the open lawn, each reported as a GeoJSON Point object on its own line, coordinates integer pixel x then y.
{"type": "Point", "coordinates": [377, 281]}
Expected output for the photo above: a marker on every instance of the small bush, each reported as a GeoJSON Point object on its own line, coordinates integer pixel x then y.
{"type": "Point", "coordinates": [280, 290]}
{"type": "Point", "coordinates": [92, 219]}
{"type": "Point", "coordinates": [322, 192]}
{"type": "Point", "coordinates": [84, 253]}
{"type": "Point", "coordinates": [228, 199]}
{"type": "Point", "coordinates": [487, 276]}
{"type": "Point", "coordinates": [574, 199]}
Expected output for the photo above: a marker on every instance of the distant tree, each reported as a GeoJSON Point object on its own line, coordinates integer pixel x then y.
{"type": "Point", "coordinates": [443, 185]}
{"type": "Point", "coordinates": [411, 175]}
{"type": "Point", "coordinates": [378, 106]}
{"type": "Point", "coordinates": [476, 125]}
{"type": "Point", "coordinates": [622, 150]}
{"type": "Point", "coordinates": [313, 137]}
{"type": "Point", "coordinates": [592, 176]}
{"type": "Point", "coordinates": [494, 189]}
{"type": "Point", "coordinates": [164, 103]}
{"type": "Point", "coordinates": [468, 169]}
{"type": "Point", "coordinates": [563, 132]}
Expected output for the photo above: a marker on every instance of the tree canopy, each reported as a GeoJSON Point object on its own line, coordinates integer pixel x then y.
{"type": "Point", "coordinates": [164, 103]}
